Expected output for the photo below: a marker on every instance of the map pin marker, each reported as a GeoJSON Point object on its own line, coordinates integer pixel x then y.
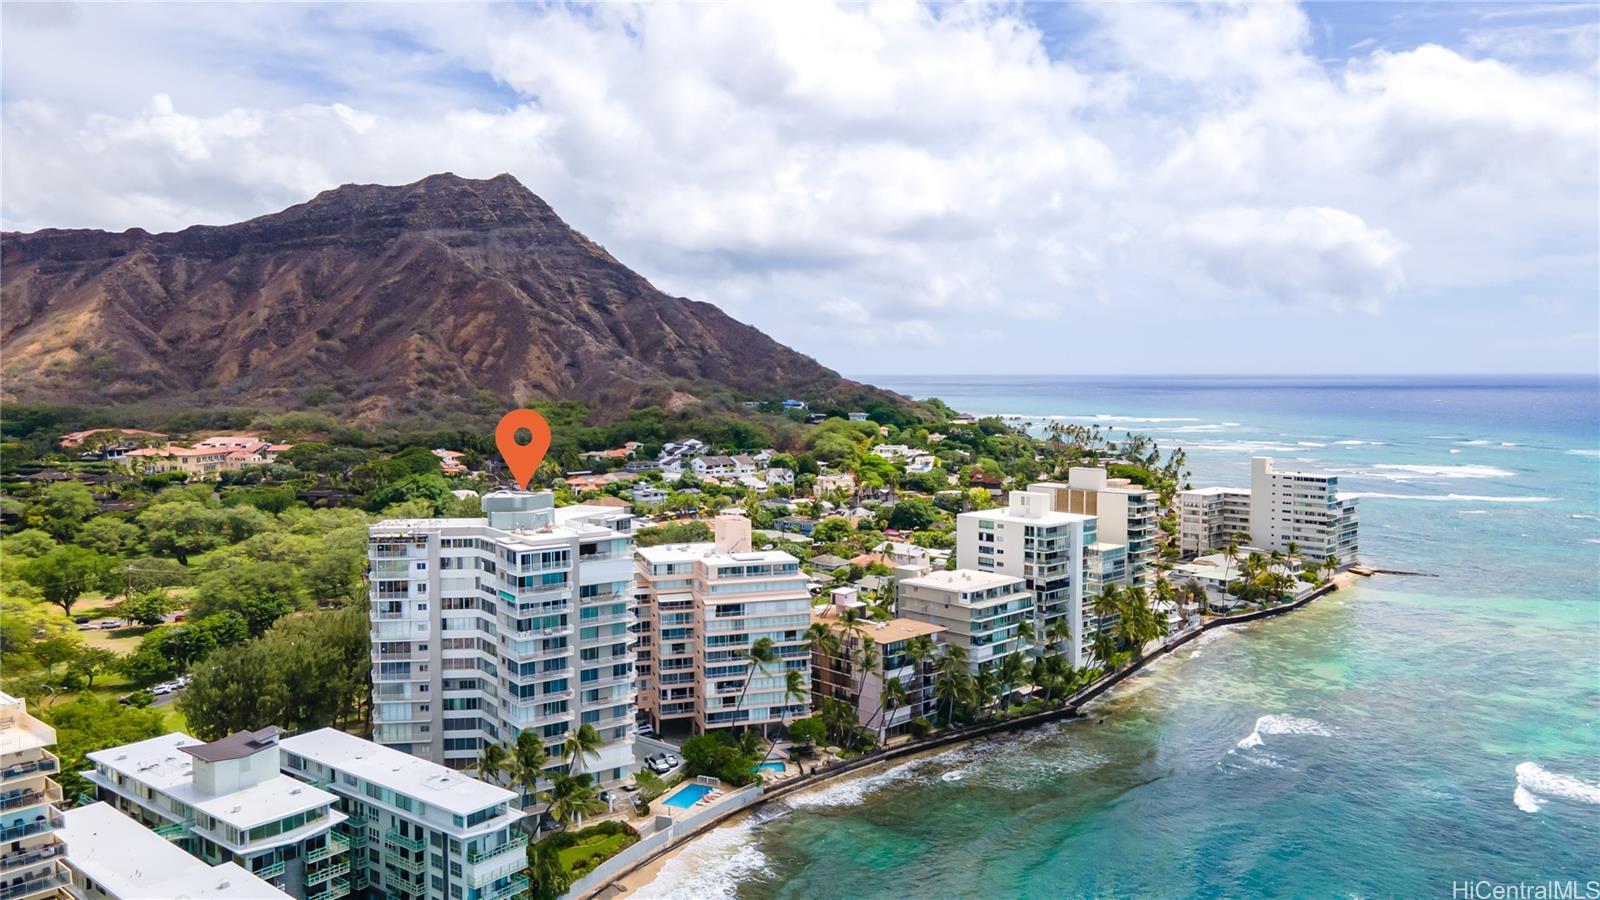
{"type": "Point", "coordinates": [523, 459]}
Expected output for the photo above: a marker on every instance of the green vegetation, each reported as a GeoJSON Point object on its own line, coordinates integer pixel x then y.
{"type": "Point", "coordinates": [720, 755]}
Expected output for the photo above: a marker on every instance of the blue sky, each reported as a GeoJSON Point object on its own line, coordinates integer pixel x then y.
{"type": "Point", "coordinates": [1095, 188]}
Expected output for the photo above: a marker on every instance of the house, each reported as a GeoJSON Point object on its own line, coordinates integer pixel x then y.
{"type": "Point", "coordinates": [816, 418]}
{"type": "Point", "coordinates": [920, 463]}
{"type": "Point", "coordinates": [935, 438]}
{"type": "Point", "coordinates": [642, 465]}
{"type": "Point", "coordinates": [828, 561]}
{"type": "Point", "coordinates": [586, 481]}
{"type": "Point", "coordinates": [686, 447]}
{"type": "Point", "coordinates": [784, 477]}
{"type": "Point", "coordinates": [647, 493]}
{"type": "Point", "coordinates": [798, 524]}
{"type": "Point", "coordinates": [450, 461]}
{"type": "Point", "coordinates": [893, 451]}
{"type": "Point", "coordinates": [762, 457]}
{"type": "Point", "coordinates": [793, 404]}
{"type": "Point", "coordinates": [626, 451]}
{"type": "Point", "coordinates": [754, 483]}
{"type": "Point", "coordinates": [900, 553]}
{"type": "Point", "coordinates": [744, 465]}
{"type": "Point", "coordinates": [843, 483]}
{"type": "Point", "coordinates": [713, 466]}
{"type": "Point", "coordinates": [858, 417]}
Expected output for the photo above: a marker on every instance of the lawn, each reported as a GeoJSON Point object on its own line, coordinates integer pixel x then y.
{"type": "Point", "coordinates": [593, 847]}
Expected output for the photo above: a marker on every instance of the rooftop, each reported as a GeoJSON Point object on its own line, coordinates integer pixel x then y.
{"type": "Point", "coordinates": [672, 553]}
{"type": "Point", "coordinates": [964, 580]}
{"type": "Point", "coordinates": [429, 782]}
{"type": "Point", "coordinates": [165, 764]}
{"type": "Point", "coordinates": [889, 632]}
{"type": "Point", "coordinates": [235, 746]}
{"type": "Point", "coordinates": [129, 860]}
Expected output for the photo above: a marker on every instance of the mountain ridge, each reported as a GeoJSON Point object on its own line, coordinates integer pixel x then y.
{"type": "Point", "coordinates": [396, 300]}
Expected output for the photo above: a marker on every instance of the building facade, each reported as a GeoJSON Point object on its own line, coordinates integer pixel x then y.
{"type": "Point", "coordinates": [841, 676]}
{"type": "Point", "coordinates": [1127, 514]}
{"type": "Point", "coordinates": [1208, 518]}
{"type": "Point", "coordinates": [417, 829]}
{"type": "Point", "coordinates": [484, 628]}
{"type": "Point", "coordinates": [980, 612]}
{"type": "Point", "coordinates": [1029, 539]}
{"type": "Point", "coordinates": [31, 843]}
{"type": "Point", "coordinates": [702, 607]}
{"type": "Point", "coordinates": [1280, 508]}
{"type": "Point", "coordinates": [1302, 508]}
{"type": "Point", "coordinates": [227, 802]}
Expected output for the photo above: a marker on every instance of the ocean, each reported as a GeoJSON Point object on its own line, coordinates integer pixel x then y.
{"type": "Point", "coordinates": [1394, 739]}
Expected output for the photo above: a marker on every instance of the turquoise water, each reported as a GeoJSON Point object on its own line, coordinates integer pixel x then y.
{"type": "Point", "coordinates": [689, 796]}
{"type": "Point", "coordinates": [770, 767]}
{"type": "Point", "coordinates": [1386, 741]}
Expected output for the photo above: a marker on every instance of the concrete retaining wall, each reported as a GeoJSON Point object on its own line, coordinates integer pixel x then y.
{"type": "Point", "coordinates": [676, 832]}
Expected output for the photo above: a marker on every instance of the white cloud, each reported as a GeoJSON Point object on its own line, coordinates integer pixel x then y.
{"type": "Point", "coordinates": [935, 170]}
{"type": "Point", "coordinates": [1299, 253]}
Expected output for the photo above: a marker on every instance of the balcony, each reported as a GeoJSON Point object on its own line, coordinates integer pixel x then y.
{"type": "Point", "coordinates": [339, 887]}
{"type": "Point", "coordinates": [46, 763]}
{"type": "Point", "coordinates": [20, 799]}
{"type": "Point", "coordinates": [33, 857]}
{"type": "Point", "coordinates": [38, 884]}
{"type": "Point", "coordinates": [516, 886]}
{"type": "Point", "coordinates": [41, 824]}
{"type": "Point", "coordinates": [341, 867]}
{"type": "Point", "coordinates": [337, 843]}
{"type": "Point", "coordinates": [396, 839]}
{"type": "Point", "coordinates": [518, 839]}
{"type": "Point", "coordinates": [406, 864]}
{"type": "Point", "coordinates": [270, 870]}
{"type": "Point", "coordinates": [177, 831]}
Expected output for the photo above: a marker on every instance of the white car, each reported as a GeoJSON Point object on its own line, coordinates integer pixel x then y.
{"type": "Point", "coordinates": [165, 687]}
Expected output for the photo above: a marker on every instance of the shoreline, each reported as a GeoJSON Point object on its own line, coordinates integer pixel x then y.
{"type": "Point", "coordinates": [645, 873]}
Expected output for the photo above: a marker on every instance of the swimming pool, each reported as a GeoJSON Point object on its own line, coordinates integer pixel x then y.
{"type": "Point", "coordinates": [770, 767]}
{"type": "Point", "coordinates": [689, 796]}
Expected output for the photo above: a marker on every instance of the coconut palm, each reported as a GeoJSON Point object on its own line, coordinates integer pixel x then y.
{"type": "Point", "coordinates": [952, 679]}
{"type": "Point", "coordinates": [1104, 647]}
{"type": "Point", "coordinates": [571, 798]}
{"type": "Point", "coordinates": [491, 763]}
{"type": "Point", "coordinates": [1012, 670]}
{"type": "Point", "coordinates": [760, 654]}
{"type": "Point", "coordinates": [894, 697]}
{"type": "Point", "coordinates": [585, 741]}
{"type": "Point", "coordinates": [1058, 634]}
{"type": "Point", "coordinates": [1025, 632]}
{"type": "Point", "coordinates": [1230, 553]}
{"type": "Point", "coordinates": [985, 688]}
{"type": "Point", "coordinates": [1104, 605]}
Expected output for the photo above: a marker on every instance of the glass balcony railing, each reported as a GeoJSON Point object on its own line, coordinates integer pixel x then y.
{"type": "Point", "coordinates": [177, 831]}
{"type": "Point", "coordinates": [406, 864]}
{"type": "Point", "coordinates": [518, 840]}
{"type": "Point", "coordinates": [341, 867]}
{"type": "Point", "coordinates": [39, 825]}
{"type": "Point", "coordinates": [20, 799]}
{"type": "Point", "coordinates": [337, 843]}
{"type": "Point", "coordinates": [518, 885]}
{"type": "Point", "coordinates": [339, 887]}
{"type": "Point", "coordinates": [34, 885]}
{"type": "Point", "coordinates": [271, 870]}
{"type": "Point", "coordinates": [31, 857]}
{"type": "Point", "coordinates": [45, 763]}
{"type": "Point", "coordinates": [397, 839]}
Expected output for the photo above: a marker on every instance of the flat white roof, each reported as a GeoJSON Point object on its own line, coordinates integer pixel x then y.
{"type": "Point", "coordinates": [429, 782]}
{"type": "Point", "coordinates": [1209, 491]}
{"type": "Point", "coordinates": [159, 763]}
{"type": "Point", "coordinates": [964, 580]}
{"type": "Point", "coordinates": [131, 861]}
{"type": "Point", "coordinates": [672, 553]}
{"type": "Point", "coordinates": [1044, 519]}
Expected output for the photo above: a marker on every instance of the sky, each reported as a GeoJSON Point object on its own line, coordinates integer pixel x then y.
{"type": "Point", "coordinates": [1107, 188]}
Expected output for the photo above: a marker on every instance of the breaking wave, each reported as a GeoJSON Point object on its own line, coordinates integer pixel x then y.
{"type": "Point", "coordinates": [1450, 498]}
{"type": "Point", "coordinates": [1536, 784]}
{"type": "Point", "coordinates": [1281, 724]}
{"type": "Point", "coordinates": [712, 865]}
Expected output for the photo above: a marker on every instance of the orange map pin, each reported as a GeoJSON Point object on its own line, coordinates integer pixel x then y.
{"type": "Point", "coordinates": [523, 459]}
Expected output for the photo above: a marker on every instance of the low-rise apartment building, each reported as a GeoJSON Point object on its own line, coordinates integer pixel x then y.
{"type": "Point", "coordinates": [841, 676]}
{"type": "Point", "coordinates": [483, 628]}
{"type": "Point", "coordinates": [978, 611]}
{"type": "Point", "coordinates": [702, 606]}
{"type": "Point", "coordinates": [1031, 540]}
{"type": "Point", "coordinates": [31, 843]}
{"type": "Point", "coordinates": [226, 801]}
{"type": "Point", "coordinates": [417, 829]}
{"type": "Point", "coordinates": [116, 858]}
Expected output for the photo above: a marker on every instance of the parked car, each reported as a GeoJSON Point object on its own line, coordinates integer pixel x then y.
{"type": "Point", "coordinates": [645, 729]}
{"type": "Point", "coordinates": [109, 624]}
{"type": "Point", "coordinates": [181, 681]}
{"type": "Point", "coordinates": [81, 620]}
{"type": "Point", "coordinates": [165, 687]}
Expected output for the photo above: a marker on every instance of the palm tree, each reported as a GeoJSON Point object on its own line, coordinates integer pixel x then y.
{"type": "Point", "coordinates": [1104, 605]}
{"type": "Point", "coordinates": [1104, 647]}
{"type": "Point", "coordinates": [1058, 633]}
{"type": "Point", "coordinates": [572, 797]}
{"type": "Point", "coordinates": [952, 679]}
{"type": "Point", "coordinates": [1229, 554]}
{"type": "Point", "coordinates": [1198, 594]}
{"type": "Point", "coordinates": [583, 742]}
{"type": "Point", "coordinates": [525, 766]}
{"type": "Point", "coordinates": [894, 697]}
{"type": "Point", "coordinates": [1012, 671]}
{"type": "Point", "coordinates": [759, 654]}
{"type": "Point", "coordinates": [985, 688]}
{"type": "Point", "coordinates": [1025, 632]}
{"type": "Point", "coordinates": [491, 763]}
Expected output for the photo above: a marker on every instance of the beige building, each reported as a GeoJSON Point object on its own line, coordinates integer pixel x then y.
{"type": "Point", "coordinates": [980, 612]}
{"type": "Point", "coordinates": [1127, 515]}
{"type": "Point", "coordinates": [1208, 518]}
{"type": "Point", "coordinates": [31, 845]}
{"type": "Point", "coordinates": [842, 677]}
{"type": "Point", "coordinates": [701, 608]}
